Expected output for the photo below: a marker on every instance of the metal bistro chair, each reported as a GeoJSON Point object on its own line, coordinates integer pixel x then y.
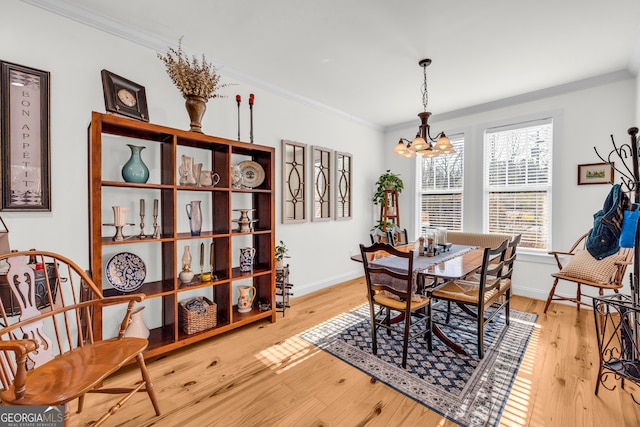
{"type": "Point", "coordinates": [481, 298]}
{"type": "Point", "coordinates": [388, 291]}
{"type": "Point", "coordinates": [49, 354]}
{"type": "Point", "coordinates": [583, 269]}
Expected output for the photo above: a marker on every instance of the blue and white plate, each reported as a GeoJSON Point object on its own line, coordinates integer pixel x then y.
{"type": "Point", "coordinates": [126, 271]}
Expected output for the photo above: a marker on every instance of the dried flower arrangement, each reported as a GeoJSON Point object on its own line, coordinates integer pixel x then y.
{"type": "Point", "coordinates": [192, 77]}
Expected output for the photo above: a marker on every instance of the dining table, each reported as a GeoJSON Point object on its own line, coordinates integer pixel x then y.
{"type": "Point", "coordinates": [456, 262]}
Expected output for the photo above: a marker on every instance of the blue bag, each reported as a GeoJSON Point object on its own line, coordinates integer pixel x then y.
{"type": "Point", "coordinates": [629, 227]}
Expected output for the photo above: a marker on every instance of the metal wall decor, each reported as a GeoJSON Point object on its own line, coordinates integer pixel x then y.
{"type": "Point", "coordinates": [294, 172]}
{"type": "Point", "coordinates": [24, 95]}
{"type": "Point", "coordinates": [344, 170]}
{"type": "Point", "coordinates": [322, 159]}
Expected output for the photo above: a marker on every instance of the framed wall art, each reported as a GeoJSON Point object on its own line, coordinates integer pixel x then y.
{"type": "Point", "coordinates": [294, 173]}
{"type": "Point", "coordinates": [124, 97]}
{"type": "Point", "coordinates": [344, 174]}
{"type": "Point", "coordinates": [595, 173]}
{"type": "Point", "coordinates": [322, 171]}
{"type": "Point", "coordinates": [24, 133]}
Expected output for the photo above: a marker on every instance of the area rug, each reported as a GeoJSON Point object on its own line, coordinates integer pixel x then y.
{"type": "Point", "coordinates": [464, 389]}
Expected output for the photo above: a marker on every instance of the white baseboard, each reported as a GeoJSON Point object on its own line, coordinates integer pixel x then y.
{"type": "Point", "coordinates": [307, 288]}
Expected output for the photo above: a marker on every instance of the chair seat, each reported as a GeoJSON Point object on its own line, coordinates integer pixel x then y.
{"type": "Point", "coordinates": [563, 276]}
{"type": "Point", "coordinates": [398, 304]}
{"type": "Point", "coordinates": [464, 291]}
{"type": "Point", "coordinates": [74, 373]}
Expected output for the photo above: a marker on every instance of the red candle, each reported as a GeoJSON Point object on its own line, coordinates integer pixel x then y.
{"type": "Point", "coordinates": [251, 99]}
{"type": "Point", "coordinates": [238, 98]}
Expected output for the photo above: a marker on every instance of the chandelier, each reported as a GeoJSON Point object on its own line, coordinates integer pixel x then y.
{"type": "Point", "coordinates": [423, 143]}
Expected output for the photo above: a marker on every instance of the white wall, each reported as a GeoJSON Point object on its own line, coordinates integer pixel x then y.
{"type": "Point", "coordinates": [74, 54]}
{"type": "Point", "coordinates": [588, 118]}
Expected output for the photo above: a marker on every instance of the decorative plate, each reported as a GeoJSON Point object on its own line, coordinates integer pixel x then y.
{"type": "Point", "coordinates": [126, 271]}
{"type": "Point", "coordinates": [252, 174]}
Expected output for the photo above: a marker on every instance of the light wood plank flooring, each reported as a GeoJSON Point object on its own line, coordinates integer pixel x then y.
{"type": "Point", "coordinates": [263, 375]}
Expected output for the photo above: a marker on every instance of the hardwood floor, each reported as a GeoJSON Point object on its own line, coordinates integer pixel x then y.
{"type": "Point", "coordinates": [263, 375]}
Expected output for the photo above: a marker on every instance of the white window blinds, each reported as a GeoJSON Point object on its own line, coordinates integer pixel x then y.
{"type": "Point", "coordinates": [440, 194]}
{"type": "Point", "coordinates": [517, 184]}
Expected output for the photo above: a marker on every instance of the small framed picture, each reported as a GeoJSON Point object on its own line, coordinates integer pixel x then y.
{"type": "Point", "coordinates": [122, 96]}
{"type": "Point", "coordinates": [24, 138]}
{"type": "Point", "coordinates": [595, 173]}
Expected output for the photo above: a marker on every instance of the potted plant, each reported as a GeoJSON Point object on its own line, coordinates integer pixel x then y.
{"type": "Point", "coordinates": [281, 254]}
{"type": "Point", "coordinates": [383, 225]}
{"type": "Point", "coordinates": [386, 181]}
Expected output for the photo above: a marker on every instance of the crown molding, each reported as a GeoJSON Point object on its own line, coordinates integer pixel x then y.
{"type": "Point", "coordinates": [114, 27]}
{"type": "Point", "coordinates": [603, 79]}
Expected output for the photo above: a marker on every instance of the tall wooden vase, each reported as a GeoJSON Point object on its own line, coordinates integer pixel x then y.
{"type": "Point", "coordinates": [196, 106]}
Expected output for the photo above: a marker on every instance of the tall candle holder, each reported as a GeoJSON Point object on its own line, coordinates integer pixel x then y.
{"type": "Point", "coordinates": [142, 235]}
{"type": "Point", "coordinates": [156, 227]}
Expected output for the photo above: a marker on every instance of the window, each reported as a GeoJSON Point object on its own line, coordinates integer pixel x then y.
{"type": "Point", "coordinates": [517, 183]}
{"type": "Point", "coordinates": [441, 188]}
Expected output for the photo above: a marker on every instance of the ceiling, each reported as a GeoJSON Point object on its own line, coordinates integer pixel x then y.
{"type": "Point", "coordinates": [360, 57]}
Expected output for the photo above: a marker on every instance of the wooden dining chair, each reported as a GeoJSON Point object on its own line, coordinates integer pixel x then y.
{"type": "Point", "coordinates": [398, 236]}
{"type": "Point", "coordinates": [583, 269]}
{"type": "Point", "coordinates": [49, 352]}
{"type": "Point", "coordinates": [381, 236]}
{"type": "Point", "coordinates": [480, 298]}
{"type": "Point", "coordinates": [391, 291]}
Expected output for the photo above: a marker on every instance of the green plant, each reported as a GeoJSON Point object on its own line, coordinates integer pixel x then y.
{"type": "Point", "coordinates": [281, 251]}
{"type": "Point", "coordinates": [387, 181]}
{"type": "Point", "coordinates": [380, 225]}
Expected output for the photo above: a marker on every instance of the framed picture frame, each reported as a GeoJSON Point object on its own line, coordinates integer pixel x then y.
{"type": "Point", "coordinates": [25, 138]}
{"type": "Point", "coordinates": [595, 173]}
{"type": "Point", "coordinates": [124, 97]}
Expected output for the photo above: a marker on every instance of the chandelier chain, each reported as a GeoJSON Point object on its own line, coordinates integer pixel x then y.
{"type": "Point", "coordinates": [425, 92]}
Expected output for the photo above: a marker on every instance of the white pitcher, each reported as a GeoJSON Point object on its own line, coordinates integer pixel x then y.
{"type": "Point", "coordinates": [245, 301]}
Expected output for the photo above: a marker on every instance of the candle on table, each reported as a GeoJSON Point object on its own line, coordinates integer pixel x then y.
{"type": "Point", "coordinates": [155, 207]}
{"type": "Point", "coordinates": [141, 206]}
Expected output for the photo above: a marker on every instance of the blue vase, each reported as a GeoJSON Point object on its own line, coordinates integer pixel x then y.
{"type": "Point", "coordinates": [135, 170]}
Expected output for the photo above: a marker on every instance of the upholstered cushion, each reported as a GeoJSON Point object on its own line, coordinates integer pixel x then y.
{"type": "Point", "coordinates": [583, 266]}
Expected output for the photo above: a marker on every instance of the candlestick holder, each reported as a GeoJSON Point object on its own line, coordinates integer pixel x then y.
{"type": "Point", "coordinates": [142, 235]}
{"type": "Point", "coordinates": [156, 227]}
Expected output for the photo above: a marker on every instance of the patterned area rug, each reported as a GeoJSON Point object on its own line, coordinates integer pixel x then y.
{"type": "Point", "coordinates": [464, 389]}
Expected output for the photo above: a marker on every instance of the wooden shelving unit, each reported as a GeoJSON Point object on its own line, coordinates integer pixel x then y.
{"type": "Point", "coordinates": [108, 138]}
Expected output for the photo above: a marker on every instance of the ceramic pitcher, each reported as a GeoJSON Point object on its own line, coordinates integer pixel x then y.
{"type": "Point", "coordinates": [209, 179]}
{"type": "Point", "coordinates": [137, 328]}
{"type": "Point", "coordinates": [246, 258]}
{"type": "Point", "coordinates": [186, 171]}
{"type": "Point", "coordinates": [245, 301]}
{"type": "Point", "coordinates": [195, 217]}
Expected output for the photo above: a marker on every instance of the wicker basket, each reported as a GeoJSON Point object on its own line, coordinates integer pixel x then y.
{"type": "Point", "coordinates": [192, 321]}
